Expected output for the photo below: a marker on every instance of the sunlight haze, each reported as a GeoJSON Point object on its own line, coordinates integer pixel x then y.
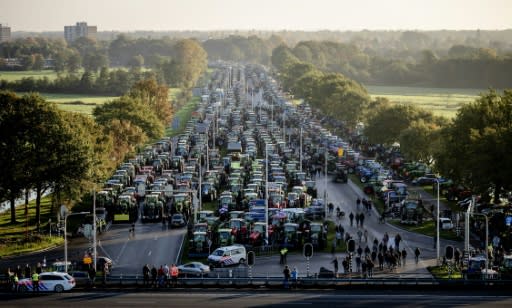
{"type": "Point", "coordinates": [158, 15]}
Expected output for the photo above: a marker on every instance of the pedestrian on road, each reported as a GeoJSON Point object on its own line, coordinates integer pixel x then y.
{"type": "Point", "coordinates": [380, 257]}
{"type": "Point", "coordinates": [359, 250]}
{"type": "Point", "coordinates": [359, 235]}
{"type": "Point", "coordinates": [369, 266]}
{"type": "Point", "coordinates": [341, 229]}
{"type": "Point", "coordinates": [92, 276]}
{"type": "Point", "coordinates": [358, 203]}
{"type": "Point", "coordinates": [417, 254]}
{"type": "Point", "coordinates": [365, 235]}
{"type": "Point", "coordinates": [351, 217]}
{"type": "Point", "coordinates": [283, 252]}
{"type": "Point", "coordinates": [286, 274]}
{"type": "Point", "coordinates": [361, 219]}
{"type": "Point", "coordinates": [335, 263]}
{"type": "Point", "coordinates": [357, 220]}
{"type": "Point", "coordinates": [398, 239]}
{"type": "Point", "coordinates": [404, 256]}
{"type": "Point", "coordinates": [456, 256]}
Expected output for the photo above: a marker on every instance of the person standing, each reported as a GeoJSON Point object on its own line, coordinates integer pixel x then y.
{"type": "Point", "coordinates": [335, 263]}
{"type": "Point", "coordinates": [167, 277]}
{"type": "Point", "coordinates": [28, 271]}
{"type": "Point", "coordinates": [295, 277]}
{"type": "Point", "coordinates": [417, 254]}
{"type": "Point", "coordinates": [361, 219]}
{"type": "Point", "coordinates": [351, 217]}
{"type": "Point", "coordinates": [35, 282]}
{"type": "Point", "coordinates": [92, 276]}
{"type": "Point", "coordinates": [39, 268]}
{"type": "Point", "coordinates": [105, 273]}
{"type": "Point", "coordinates": [398, 239]}
{"type": "Point", "coordinates": [286, 274]}
{"type": "Point", "coordinates": [174, 275]}
{"type": "Point", "coordinates": [404, 256]}
{"type": "Point", "coordinates": [145, 274]}
{"type": "Point", "coordinates": [154, 273]}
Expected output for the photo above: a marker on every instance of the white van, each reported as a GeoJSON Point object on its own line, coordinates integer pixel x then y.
{"type": "Point", "coordinates": [228, 255]}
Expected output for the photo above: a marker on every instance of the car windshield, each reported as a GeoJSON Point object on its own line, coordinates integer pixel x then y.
{"type": "Point", "coordinates": [218, 253]}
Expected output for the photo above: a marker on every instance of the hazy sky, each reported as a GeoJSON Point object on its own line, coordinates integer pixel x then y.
{"type": "Point", "coordinates": [130, 15]}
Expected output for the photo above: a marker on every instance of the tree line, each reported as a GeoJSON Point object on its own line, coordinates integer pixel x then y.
{"type": "Point", "coordinates": [184, 62]}
{"type": "Point", "coordinates": [45, 148]}
{"type": "Point", "coordinates": [471, 149]}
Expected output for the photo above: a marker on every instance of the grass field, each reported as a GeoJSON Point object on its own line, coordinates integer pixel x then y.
{"type": "Point", "coordinates": [17, 75]}
{"type": "Point", "coordinates": [76, 102]}
{"type": "Point", "coordinates": [441, 101]}
{"type": "Point", "coordinates": [19, 238]}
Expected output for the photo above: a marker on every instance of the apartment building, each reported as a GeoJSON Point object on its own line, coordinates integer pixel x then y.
{"type": "Point", "coordinates": [81, 29]}
{"type": "Point", "coordinates": [5, 33]}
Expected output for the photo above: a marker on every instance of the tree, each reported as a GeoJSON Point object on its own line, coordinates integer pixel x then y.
{"type": "Point", "coordinates": [133, 110]}
{"type": "Point", "coordinates": [136, 62]}
{"type": "Point", "coordinates": [155, 96]}
{"type": "Point", "coordinates": [389, 121]}
{"type": "Point", "coordinates": [476, 146]}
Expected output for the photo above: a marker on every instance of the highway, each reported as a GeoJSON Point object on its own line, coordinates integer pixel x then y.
{"type": "Point", "coordinates": [254, 298]}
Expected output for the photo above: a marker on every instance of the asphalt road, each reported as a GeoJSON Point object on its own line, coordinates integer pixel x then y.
{"type": "Point", "coordinates": [154, 245]}
{"type": "Point", "coordinates": [255, 298]}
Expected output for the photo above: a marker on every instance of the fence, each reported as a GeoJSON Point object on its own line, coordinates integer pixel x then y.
{"type": "Point", "coordinates": [129, 282]}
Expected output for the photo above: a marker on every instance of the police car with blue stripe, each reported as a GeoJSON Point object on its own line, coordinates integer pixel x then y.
{"type": "Point", "coordinates": [49, 282]}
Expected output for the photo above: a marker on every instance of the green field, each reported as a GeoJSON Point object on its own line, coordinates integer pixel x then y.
{"type": "Point", "coordinates": [17, 75]}
{"type": "Point", "coordinates": [76, 102]}
{"type": "Point", "coordinates": [441, 101]}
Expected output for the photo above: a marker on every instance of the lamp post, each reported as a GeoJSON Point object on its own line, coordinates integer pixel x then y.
{"type": "Point", "coordinates": [64, 213]}
{"type": "Point", "coordinates": [486, 242]}
{"type": "Point", "coordinates": [266, 191]}
{"type": "Point", "coordinates": [300, 150]}
{"type": "Point", "coordinates": [437, 223]}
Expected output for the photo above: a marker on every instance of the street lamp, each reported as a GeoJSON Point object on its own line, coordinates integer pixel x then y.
{"type": "Point", "coordinates": [437, 223]}
{"type": "Point", "coordinates": [486, 241]}
{"type": "Point", "coordinates": [65, 213]}
{"type": "Point", "coordinates": [266, 190]}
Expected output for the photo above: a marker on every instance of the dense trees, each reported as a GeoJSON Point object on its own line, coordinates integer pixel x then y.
{"type": "Point", "coordinates": [331, 93]}
{"type": "Point", "coordinates": [475, 148]}
{"type": "Point", "coordinates": [41, 148]}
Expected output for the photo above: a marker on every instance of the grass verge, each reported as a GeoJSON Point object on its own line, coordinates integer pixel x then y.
{"type": "Point", "coordinates": [22, 236]}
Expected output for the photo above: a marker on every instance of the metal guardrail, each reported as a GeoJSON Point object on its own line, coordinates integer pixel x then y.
{"type": "Point", "coordinates": [137, 282]}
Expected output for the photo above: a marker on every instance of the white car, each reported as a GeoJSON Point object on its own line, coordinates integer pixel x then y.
{"type": "Point", "coordinates": [445, 223]}
{"type": "Point", "coordinates": [49, 282]}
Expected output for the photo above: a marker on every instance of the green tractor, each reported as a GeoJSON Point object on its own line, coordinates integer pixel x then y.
{"type": "Point", "coordinates": [126, 209]}
{"type": "Point", "coordinates": [152, 209]}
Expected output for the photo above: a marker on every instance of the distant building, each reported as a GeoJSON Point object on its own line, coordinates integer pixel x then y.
{"type": "Point", "coordinates": [5, 33]}
{"type": "Point", "coordinates": [81, 29]}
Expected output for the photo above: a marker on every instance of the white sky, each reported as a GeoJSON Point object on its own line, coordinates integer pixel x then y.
{"type": "Point", "coordinates": [130, 15]}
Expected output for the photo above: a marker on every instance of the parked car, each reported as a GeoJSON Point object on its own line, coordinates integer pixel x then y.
{"type": "Point", "coordinates": [178, 221]}
{"type": "Point", "coordinates": [229, 255]}
{"type": "Point", "coordinates": [445, 223]}
{"type": "Point", "coordinates": [49, 282]}
{"type": "Point", "coordinates": [196, 269]}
